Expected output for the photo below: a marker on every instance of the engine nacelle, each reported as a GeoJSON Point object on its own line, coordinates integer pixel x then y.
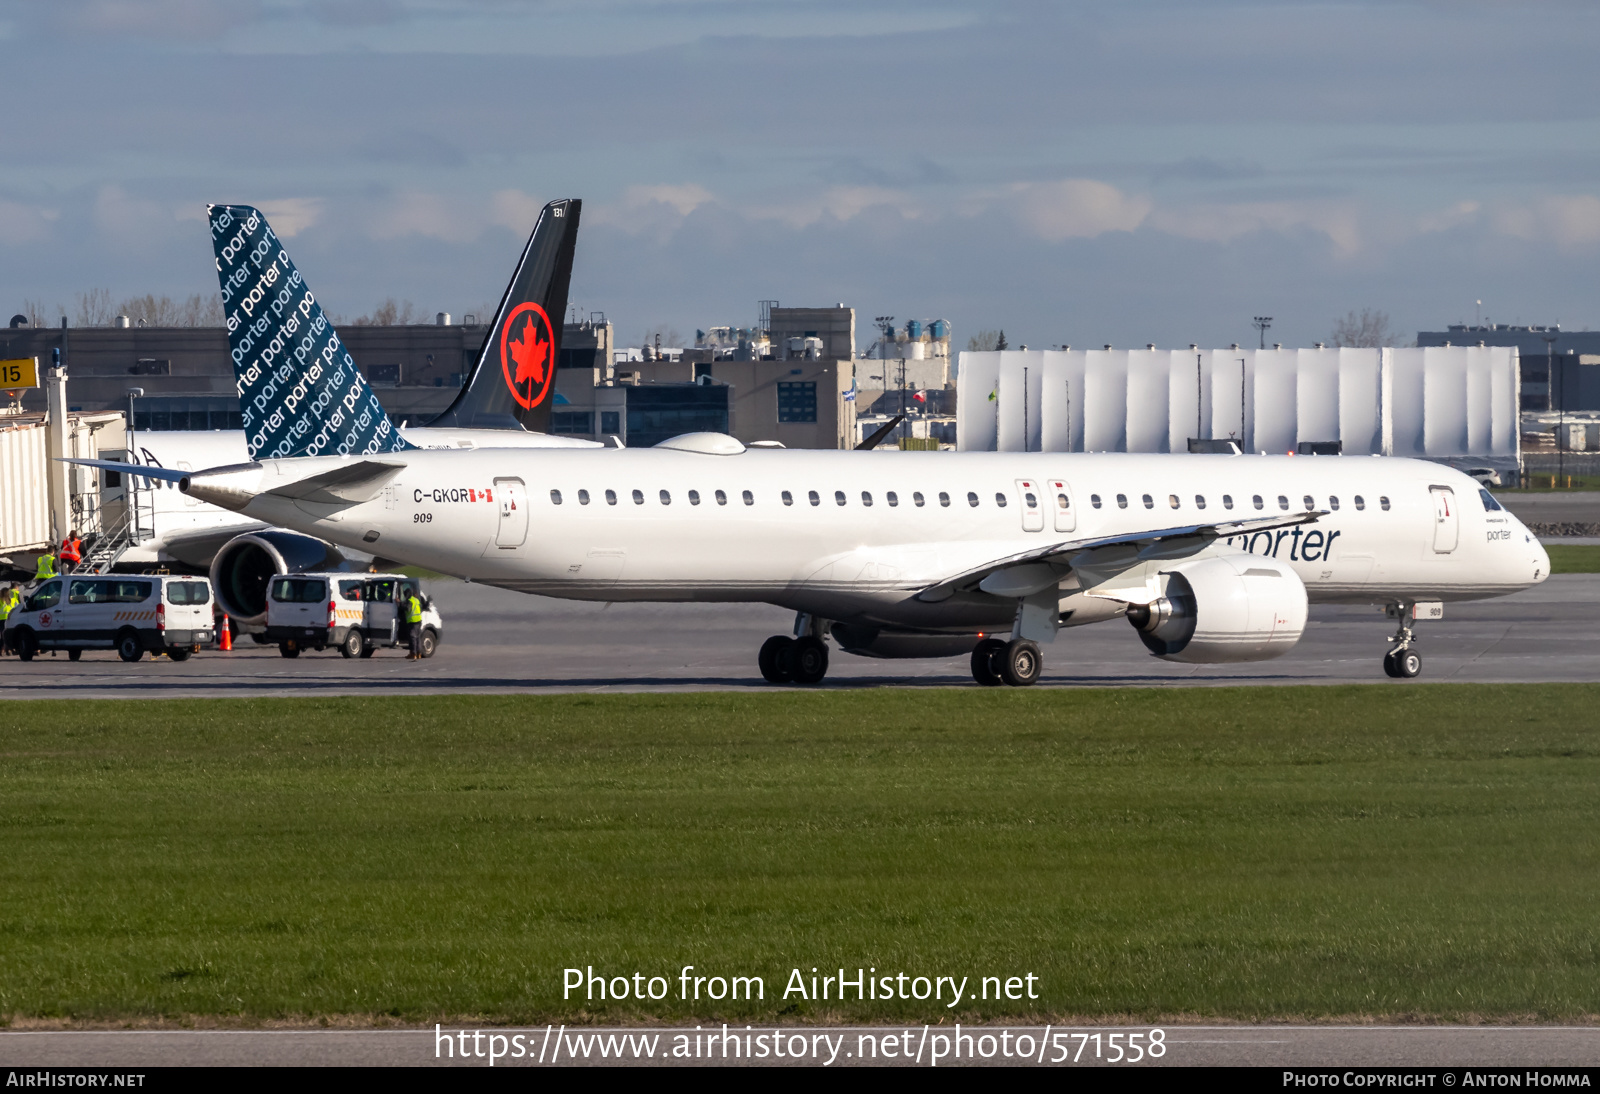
{"type": "Point", "coordinates": [243, 567]}
{"type": "Point", "coordinates": [1227, 608]}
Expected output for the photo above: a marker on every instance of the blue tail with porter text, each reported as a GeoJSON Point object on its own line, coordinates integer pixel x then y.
{"type": "Point", "coordinates": [299, 391]}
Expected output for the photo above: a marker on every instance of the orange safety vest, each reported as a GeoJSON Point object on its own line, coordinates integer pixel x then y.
{"type": "Point", "coordinates": [71, 550]}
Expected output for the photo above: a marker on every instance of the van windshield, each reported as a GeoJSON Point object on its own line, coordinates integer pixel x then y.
{"type": "Point", "coordinates": [48, 596]}
{"type": "Point", "coordinates": [188, 592]}
{"type": "Point", "coordinates": [298, 590]}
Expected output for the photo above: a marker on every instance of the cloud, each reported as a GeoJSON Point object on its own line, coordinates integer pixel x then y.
{"type": "Point", "coordinates": [1462, 212]}
{"type": "Point", "coordinates": [658, 211]}
{"type": "Point", "coordinates": [291, 216]}
{"type": "Point", "coordinates": [839, 203]}
{"type": "Point", "coordinates": [20, 223]}
{"type": "Point", "coordinates": [119, 214]}
{"type": "Point", "coordinates": [515, 210]}
{"type": "Point", "coordinates": [415, 212]}
{"type": "Point", "coordinates": [1076, 209]}
{"type": "Point", "coordinates": [1567, 220]}
{"type": "Point", "coordinates": [1222, 223]}
{"type": "Point", "coordinates": [202, 20]}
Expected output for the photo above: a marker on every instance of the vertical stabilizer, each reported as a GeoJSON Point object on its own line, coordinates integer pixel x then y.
{"type": "Point", "coordinates": [299, 391]}
{"type": "Point", "coordinates": [513, 384]}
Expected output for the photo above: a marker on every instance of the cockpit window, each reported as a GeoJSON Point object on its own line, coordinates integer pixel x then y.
{"type": "Point", "coordinates": [1489, 504]}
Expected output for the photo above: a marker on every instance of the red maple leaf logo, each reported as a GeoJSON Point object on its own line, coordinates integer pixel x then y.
{"type": "Point", "coordinates": [530, 353]}
{"type": "Point", "coordinates": [528, 362]}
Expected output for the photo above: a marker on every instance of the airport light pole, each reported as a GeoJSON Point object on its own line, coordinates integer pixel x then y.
{"type": "Point", "coordinates": [1262, 323]}
{"type": "Point", "coordinates": [1561, 405]}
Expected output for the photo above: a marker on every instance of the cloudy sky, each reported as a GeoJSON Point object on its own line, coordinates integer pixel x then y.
{"type": "Point", "coordinates": [1078, 173]}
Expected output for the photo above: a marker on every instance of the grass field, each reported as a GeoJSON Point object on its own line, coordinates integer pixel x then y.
{"type": "Point", "coordinates": [1573, 559]}
{"type": "Point", "coordinates": [1426, 851]}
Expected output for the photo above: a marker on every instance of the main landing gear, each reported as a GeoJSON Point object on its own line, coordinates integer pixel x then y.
{"type": "Point", "coordinates": [1402, 661]}
{"type": "Point", "coordinates": [801, 660]}
{"type": "Point", "coordinates": [996, 661]}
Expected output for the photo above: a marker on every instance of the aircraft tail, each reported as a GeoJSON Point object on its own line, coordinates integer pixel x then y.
{"type": "Point", "coordinates": [299, 391]}
{"type": "Point", "coordinates": [513, 384]}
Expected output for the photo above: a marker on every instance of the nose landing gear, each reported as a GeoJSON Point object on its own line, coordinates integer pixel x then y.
{"type": "Point", "coordinates": [1402, 661]}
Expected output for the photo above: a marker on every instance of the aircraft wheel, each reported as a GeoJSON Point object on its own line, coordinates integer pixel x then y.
{"type": "Point", "coordinates": [808, 660]}
{"type": "Point", "coordinates": [1407, 664]}
{"type": "Point", "coordinates": [985, 656]}
{"type": "Point", "coordinates": [74, 655]}
{"type": "Point", "coordinates": [353, 643]}
{"type": "Point", "coordinates": [774, 661]}
{"type": "Point", "coordinates": [129, 648]}
{"type": "Point", "coordinates": [1020, 663]}
{"type": "Point", "coordinates": [288, 649]}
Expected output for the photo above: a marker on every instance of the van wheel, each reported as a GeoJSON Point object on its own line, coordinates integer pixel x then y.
{"type": "Point", "coordinates": [353, 645]}
{"type": "Point", "coordinates": [25, 645]}
{"type": "Point", "coordinates": [288, 649]}
{"type": "Point", "coordinates": [74, 655]}
{"type": "Point", "coordinates": [129, 648]}
{"type": "Point", "coordinates": [177, 653]}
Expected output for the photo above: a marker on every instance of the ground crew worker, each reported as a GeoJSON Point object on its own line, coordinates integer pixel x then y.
{"type": "Point", "coordinates": [10, 600]}
{"type": "Point", "coordinates": [413, 612]}
{"type": "Point", "coordinates": [46, 568]}
{"type": "Point", "coordinates": [71, 552]}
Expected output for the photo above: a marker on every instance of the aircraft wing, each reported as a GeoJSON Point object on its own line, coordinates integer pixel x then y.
{"type": "Point", "coordinates": [1029, 572]}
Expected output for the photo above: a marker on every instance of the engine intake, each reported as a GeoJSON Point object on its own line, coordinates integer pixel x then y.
{"type": "Point", "coordinates": [1224, 609]}
{"type": "Point", "coordinates": [245, 565]}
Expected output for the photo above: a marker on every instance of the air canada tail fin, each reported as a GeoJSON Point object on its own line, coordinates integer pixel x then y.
{"type": "Point", "coordinates": [513, 384]}
{"type": "Point", "coordinates": [299, 391]}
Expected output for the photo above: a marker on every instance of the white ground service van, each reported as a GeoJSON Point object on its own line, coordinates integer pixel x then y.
{"type": "Point", "coordinates": [353, 613]}
{"type": "Point", "coordinates": [130, 614]}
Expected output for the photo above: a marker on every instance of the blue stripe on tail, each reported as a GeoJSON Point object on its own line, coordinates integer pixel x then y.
{"type": "Point", "coordinates": [299, 391]}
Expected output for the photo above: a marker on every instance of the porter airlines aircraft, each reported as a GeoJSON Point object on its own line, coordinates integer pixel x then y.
{"type": "Point", "coordinates": [1210, 558]}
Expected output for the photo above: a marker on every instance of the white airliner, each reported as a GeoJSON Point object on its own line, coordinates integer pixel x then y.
{"type": "Point", "coordinates": [1211, 558]}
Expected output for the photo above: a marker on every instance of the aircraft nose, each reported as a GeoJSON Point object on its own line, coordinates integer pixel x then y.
{"type": "Point", "coordinates": [1541, 561]}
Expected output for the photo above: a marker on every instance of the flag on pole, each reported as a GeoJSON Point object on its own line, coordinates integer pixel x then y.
{"type": "Point", "coordinates": [920, 396]}
{"type": "Point", "coordinates": [850, 396]}
{"type": "Point", "coordinates": [994, 394]}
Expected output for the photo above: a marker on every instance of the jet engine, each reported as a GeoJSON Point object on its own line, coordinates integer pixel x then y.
{"type": "Point", "coordinates": [245, 564]}
{"type": "Point", "coordinates": [1236, 607]}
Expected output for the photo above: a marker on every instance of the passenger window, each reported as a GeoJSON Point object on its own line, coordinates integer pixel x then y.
{"type": "Point", "coordinates": [892, 498]}
{"type": "Point", "coordinates": [583, 497]}
{"type": "Point", "coordinates": [1333, 503]}
{"type": "Point", "coordinates": [1000, 500]}
{"type": "Point", "coordinates": [1283, 502]}
{"type": "Point", "coordinates": [866, 498]}
{"type": "Point", "coordinates": [1310, 502]}
{"type": "Point", "coordinates": [1094, 500]}
{"type": "Point", "coordinates": [722, 499]}
{"type": "Point", "coordinates": [666, 498]}
{"type": "Point", "coordinates": [1361, 502]}
{"type": "Point", "coordinates": [134, 592]}
{"type": "Point", "coordinates": [1227, 501]}
{"type": "Point", "coordinates": [198, 592]}
{"type": "Point", "coordinates": [349, 590]}
{"type": "Point", "coordinates": [1172, 500]}
{"type": "Point", "coordinates": [88, 592]}
{"type": "Point", "coordinates": [694, 497]}
{"type": "Point", "coordinates": [1383, 503]}
{"type": "Point", "coordinates": [917, 499]}
{"type": "Point", "coordinates": [1257, 500]}
{"type": "Point", "coordinates": [1199, 501]}
{"type": "Point", "coordinates": [638, 497]}
{"type": "Point", "coordinates": [944, 499]}
{"type": "Point", "coordinates": [838, 497]}
{"type": "Point", "coordinates": [814, 498]}
{"type": "Point", "coordinates": [1149, 502]}
{"type": "Point", "coordinates": [48, 596]}
{"type": "Point", "coordinates": [611, 497]}
{"type": "Point", "coordinates": [1029, 500]}
{"type": "Point", "coordinates": [555, 497]}
{"type": "Point", "coordinates": [749, 498]}
{"type": "Point", "coordinates": [788, 498]}
{"type": "Point", "coordinates": [1063, 502]}
{"type": "Point", "coordinates": [972, 499]}
{"type": "Point", "coordinates": [1122, 501]}
{"type": "Point", "coordinates": [1489, 504]}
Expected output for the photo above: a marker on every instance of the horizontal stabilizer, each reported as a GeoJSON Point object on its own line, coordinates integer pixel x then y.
{"type": "Point", "coordinates": [348, 485]}
{"type": "Point", "coordinates": [165, 474]}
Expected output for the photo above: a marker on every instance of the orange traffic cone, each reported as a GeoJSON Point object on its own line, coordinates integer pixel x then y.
{"type": "Point", "coordinates": [227, 635]}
